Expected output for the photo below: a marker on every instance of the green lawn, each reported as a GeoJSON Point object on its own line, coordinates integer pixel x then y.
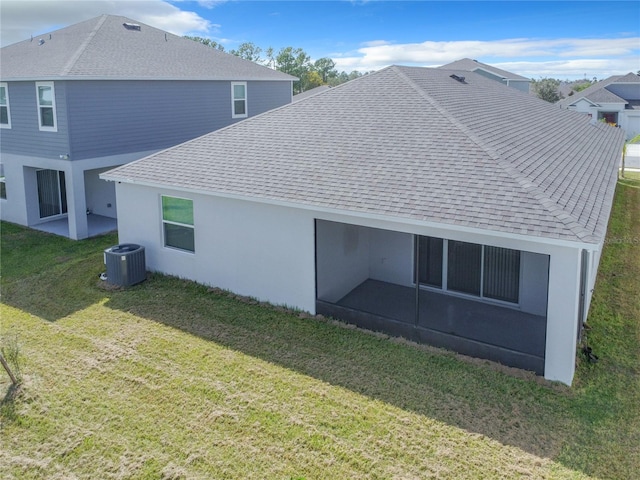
{"type": "Point", "coordinates": [170, 380]}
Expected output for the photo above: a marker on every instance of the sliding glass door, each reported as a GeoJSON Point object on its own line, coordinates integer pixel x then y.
{"type": "Point", "coordinates": [469, 268]}
{"type": "Point", "coordinates": [52, 193]}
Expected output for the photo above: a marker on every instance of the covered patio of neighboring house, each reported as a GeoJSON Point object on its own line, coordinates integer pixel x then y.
{"type": "Point", "coordinates": [93, 214]}
{"type": "Point", "coordinates": [96, 225]}
{"type": "Point", "coordinates": [62, 196]}
{"type": "Point", "coordinates": [480, 300]}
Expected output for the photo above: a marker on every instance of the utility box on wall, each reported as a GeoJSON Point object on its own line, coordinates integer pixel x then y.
{"type": "Point", "coordinates": [125, 264]}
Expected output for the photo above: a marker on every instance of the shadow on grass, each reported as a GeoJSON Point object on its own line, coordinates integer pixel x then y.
{"type": "Point", "coordinates": [474, 395]}
{"type": "Point", "coordinates": [520, 410]}
{"type": "Point", "coordinates": [8, 403]}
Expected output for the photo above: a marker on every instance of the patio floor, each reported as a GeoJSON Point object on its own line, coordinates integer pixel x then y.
{"type": "Point", "coordinates": [97, 224]}
{"type": "Point", "coordinates": [474, 328]}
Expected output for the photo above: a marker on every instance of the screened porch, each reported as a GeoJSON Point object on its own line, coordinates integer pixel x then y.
{"type": "Point", "coordinates": [479, 300]}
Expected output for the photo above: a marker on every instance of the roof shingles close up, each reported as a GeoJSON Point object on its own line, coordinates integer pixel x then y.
{"type": "Point", "coordinates": [412, 143]}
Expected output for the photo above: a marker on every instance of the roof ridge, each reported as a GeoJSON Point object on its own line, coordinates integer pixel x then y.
{"type": "Point", "coordinates": [547, 204]}
{"type": "Point", "coordinates": [74, 58]}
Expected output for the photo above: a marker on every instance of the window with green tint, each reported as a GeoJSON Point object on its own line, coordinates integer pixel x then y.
{"type": "Point", "coordinates": [178, 210]}
{"type": "Point", "coordinates": [177, 220]}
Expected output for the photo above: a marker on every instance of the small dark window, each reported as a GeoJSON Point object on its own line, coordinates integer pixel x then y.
{"type": "Point", "coordinates": [464, 266]}
{"type": "Point", "coordinates": [501, 274]}
{"type": "Point", "coordinates": [430, 261]}
{"type": "Point", "coordinates": [177, 220]}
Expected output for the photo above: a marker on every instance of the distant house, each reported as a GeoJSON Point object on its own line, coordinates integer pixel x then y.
{"type": "Point", "coordinates": [507, 78]}
{"type": "Point", "coordinates": [405, 201]}
{"type": "Point", "coordinates": [615, 100]}
{"type": "Point", "coordinates": [81, 100]}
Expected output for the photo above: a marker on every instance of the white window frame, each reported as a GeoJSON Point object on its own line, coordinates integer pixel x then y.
{"type": "Point", "coordinates": [46, 128]}
{"type": "Point", "coordinates": [4, 188]}
{"type": "Point", "coordinates": [6, 96]}
{"type": "Point", "coordinates": [233, 101]}
{"type": "Point", "coordinates": [180, 224]}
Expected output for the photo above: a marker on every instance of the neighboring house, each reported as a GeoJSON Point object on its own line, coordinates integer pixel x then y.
{"type": "Point", "coordinates": [615, 100]}
{"type": "Point", "coordinates": [507, 78]}
{"type": "Point", "coordinates": [81, 100]}
{"type": "Point", "coordinates": [448, 211]}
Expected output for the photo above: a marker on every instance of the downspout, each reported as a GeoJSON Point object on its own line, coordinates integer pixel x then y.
{"type": "Point", "coordinates": [584, 276]}
{"type": "Point", "coordinates": [582, 308]}
{"type": "Point", "coordinates": [416, 270]}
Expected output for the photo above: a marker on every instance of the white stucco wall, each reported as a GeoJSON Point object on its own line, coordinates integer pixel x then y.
{"type": "Point", "coordinates": [391, 257]}
{"type": "Point", "coordinates": [562, 317]}
{"type": "Point", "coordinates": [13, 208]}
{"type": "Point", "coordinates": [262, 251]}
{"type": "Point", "coordinates": [347, 255]}
{"type": "Point", "coordinates": [100, 194]}
{"type": "Point", "coordinates": [534, 278]}
{"type": "Point", "coordinates": [342, 259]}
{"type": "Point", "coordinates": [268, 252]}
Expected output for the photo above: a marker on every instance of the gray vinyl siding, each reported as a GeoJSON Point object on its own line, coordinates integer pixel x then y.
{"type": "Point", "coordinates": [114, 117]}
{"type": "Point", "coordinates": [101, 118]}
{"type": "Point", "coordinates": [24, 137]}
{"type": "Point", "coordinates": [265, 96]}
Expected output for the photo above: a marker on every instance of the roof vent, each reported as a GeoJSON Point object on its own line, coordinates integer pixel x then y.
{"type": "Point", "coordinates": [131, 26]}
{"type": "Point", "coordinates": [41, 42]}
{"type": "Point", "coordinates": [456, 77]}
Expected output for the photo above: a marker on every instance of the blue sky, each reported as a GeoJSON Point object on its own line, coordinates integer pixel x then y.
{"type": "Point", "coordinates": [535, 39]}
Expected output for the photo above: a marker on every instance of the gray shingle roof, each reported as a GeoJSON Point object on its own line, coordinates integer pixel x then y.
{"type": "Point", "coordinates": [471, 65]}
{"type": "Point", "coordinates": [598, 92]}
{"type": "Point", "coordinates": [309, 93]}
{"type": "Point", "coordinates": [102, 48]}
{"type": "Point", "coordinates": [604, 96]}
{"type": "Point", "coordinates": [412, 143]}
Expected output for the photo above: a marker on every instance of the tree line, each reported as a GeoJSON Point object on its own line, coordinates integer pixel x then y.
{"type": "Point", "coordinates": [294, 61]}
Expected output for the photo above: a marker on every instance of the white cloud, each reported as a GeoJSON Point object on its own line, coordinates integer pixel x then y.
{"type": "Point", "coordinates": [527, 57]}
{"type": "Point", "coordinates": [573, 69]}
{"type": "Point", "coordinates": [23, 18]}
